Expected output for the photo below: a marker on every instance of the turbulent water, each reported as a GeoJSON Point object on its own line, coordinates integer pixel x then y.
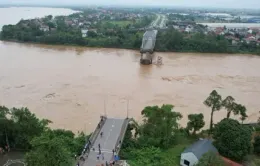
{"type": "Point", "coordinates": [69, 85]}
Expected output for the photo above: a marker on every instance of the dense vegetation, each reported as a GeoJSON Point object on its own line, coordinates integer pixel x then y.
{"type": "Point", "coordinates": [159, 140]}
{"type": "Point", "coordinates": [232, 139]}
{"type": "Point", "coordinates": [120, 34]}
{"type": "Point", "coordinates": [22, 130]}
{"type": "Point", "coordinates": [172, 40]}
{"type": "Point", "coordinates": [105, 34]}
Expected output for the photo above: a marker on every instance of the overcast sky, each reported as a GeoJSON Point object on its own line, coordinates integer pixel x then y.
{"type": "Point", "coordinates": [195, 3]}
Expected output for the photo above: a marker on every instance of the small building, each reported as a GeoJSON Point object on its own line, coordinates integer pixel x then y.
{"type": "Point", "coordinates": [191, 155]}
{"type": "Point", "coordinates": [234, 42]}
{"type": "Point", "coordinates": [250, 31]}
{"type": "Point", "coordinates": [84, 32]}
{"type": "Point", "coordinates": [44, 28]}
{"type": "Point", "coordinates": [188, 29]}
{"type": "Point", "coordinates": [257, 37]}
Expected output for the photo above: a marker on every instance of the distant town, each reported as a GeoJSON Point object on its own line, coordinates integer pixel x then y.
{"type": "Point", "coordinates": [123, 27]}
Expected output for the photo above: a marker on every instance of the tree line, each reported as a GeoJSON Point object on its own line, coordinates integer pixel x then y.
{"type": "Point", "coordinates": [114, 36]}
{"type": "Point", "coordinates": [172, 40]}
{"type": "Point", "coordinates": [22, 130]}
{"type": "Point", "coordinates": [104, 35]}
{"type": "Point", "coordinates": [158, 140]}
{"type": "Point", "coordinates": [159, 135]}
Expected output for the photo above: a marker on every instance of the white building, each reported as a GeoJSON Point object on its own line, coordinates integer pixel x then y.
{"type": "Point", "coordinates": [189, 29]}
{"type": "Point", "coordinates": [193, 153]}
{"type": "Point", "coordinates": [250, 31]}
{"type": "Point", "coordinates": [44, 28]}
{"type": "Point", "coordinates": [84, 32]}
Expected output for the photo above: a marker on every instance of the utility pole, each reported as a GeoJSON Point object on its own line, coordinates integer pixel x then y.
{"type": "Point", "coordinates": [85, 129]}
{"type": "Point", "coordinates": [105, 111]}
{"type": "Point", "coordinates": [6, 137]}
{"type": "Point", "coordinates": [127, 108]}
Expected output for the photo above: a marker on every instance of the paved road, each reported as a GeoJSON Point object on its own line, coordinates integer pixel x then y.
{"type": "Point", "coordinates": [159, 22]}
{"type": "Point", "coordinates": [111, 131]}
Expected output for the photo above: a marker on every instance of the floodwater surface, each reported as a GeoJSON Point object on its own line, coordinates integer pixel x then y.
{"type": "Point", "coordinates": [73, 86]}
{"type": "Point", "coordinates": [12, 15]}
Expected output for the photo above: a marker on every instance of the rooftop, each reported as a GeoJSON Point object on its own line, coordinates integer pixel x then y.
{"type": "Point", "coordinates": [201, 147]}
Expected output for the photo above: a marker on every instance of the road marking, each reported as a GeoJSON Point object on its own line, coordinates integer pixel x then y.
{"type": "Point", "coordinates": [104, 151]}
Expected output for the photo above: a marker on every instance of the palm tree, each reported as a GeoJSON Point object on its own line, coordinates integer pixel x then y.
{"type": "Point", "coordinates": [230, 105]}
{"type": "Point", "coordinates": [215, 102]}
{"type": "Point", "coordinates": [240, 109]}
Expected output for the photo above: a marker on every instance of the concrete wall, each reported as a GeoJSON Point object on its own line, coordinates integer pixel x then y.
{"type": "Point", "coordinates": [189, 157]}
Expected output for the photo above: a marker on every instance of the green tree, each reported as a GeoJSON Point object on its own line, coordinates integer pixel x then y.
{"type": "Point", "coordinates": [211, 159]}
{"type": "Point", "coordinates": [26, 127]}
{"type": "Point", "coordinates": [230, 105]}
{"type": "Point", "coordinates": [232, 139]}
{"type": "Point", "coordinates": [160, 125]}
{"type": "Point", "coordinates": [240, 109]}
{"type": "Point", "coordinates": [5, 125]}
{"type": "Point", "coordinates": [257, 145]}
{"type": "Point", "coordinates": [51, 24]}
{"type": "Point", "coordinates": [148, 156]}
{"type": "Point", "coordinates": [48, 150]}
{"type": "Point", "coordinates": [92, 34]}
{"type": "Point", "coordinates": [49, 17]}
{"type": "Point", "coordinates": [73, 144]}
{"type": "Point", "coordinates": [215, 102]}
{"type": "Point", "coordinates": [196, 122]}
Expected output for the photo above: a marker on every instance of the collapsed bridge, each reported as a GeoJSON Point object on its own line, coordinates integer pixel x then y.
{"type": "Point", "coordinates": [147, 47]}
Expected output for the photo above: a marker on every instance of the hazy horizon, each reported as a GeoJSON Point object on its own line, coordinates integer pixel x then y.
{"type": "Point", "coordinates": [254, 4]}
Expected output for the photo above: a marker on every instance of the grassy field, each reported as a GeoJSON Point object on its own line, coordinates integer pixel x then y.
{"type": "Point", "coordinates": [119, 23]}
{"type": "Point", "coordinates": [156, 156]}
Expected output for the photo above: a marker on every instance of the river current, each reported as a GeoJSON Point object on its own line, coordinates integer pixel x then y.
{"type": "Point", "coordinates": [73, 86]}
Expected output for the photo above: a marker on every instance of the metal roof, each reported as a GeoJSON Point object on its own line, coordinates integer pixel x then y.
{"type": "Point", "coordinates": [201, 147]}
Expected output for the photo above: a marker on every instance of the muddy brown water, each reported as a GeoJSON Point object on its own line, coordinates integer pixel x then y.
{"type": "Point", "coordinates": [12, 15]}
{"type": "Point", "coordinates": [69, 85]}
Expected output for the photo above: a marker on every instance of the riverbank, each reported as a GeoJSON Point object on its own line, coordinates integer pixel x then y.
{"type": "Point", "coordinates": [133, 49]}
{"type": "Point", "coordinates": [162, 44]}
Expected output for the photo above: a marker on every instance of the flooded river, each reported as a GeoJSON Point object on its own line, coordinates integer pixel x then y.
{"type": "Point", "coordinates": [69, 85]}
{"type": "Point", "coordinates": [12, 15]}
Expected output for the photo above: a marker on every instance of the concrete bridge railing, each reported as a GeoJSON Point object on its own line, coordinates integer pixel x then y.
{"type": "Point", "coordinates": [92, 138]}
{"type": "Point", "coordinates": [122, 135]}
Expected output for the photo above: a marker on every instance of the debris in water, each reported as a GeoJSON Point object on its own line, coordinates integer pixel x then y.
{"type": "Point", "coordinates": [20, 86]}
{"type": "Point", "coordinates": [50, 95]}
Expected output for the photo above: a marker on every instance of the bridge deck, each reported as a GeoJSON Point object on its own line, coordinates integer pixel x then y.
{"type": "Point", "coordinates": [148, 42]}
{"type": "Point", "coordinates": [111, 132]}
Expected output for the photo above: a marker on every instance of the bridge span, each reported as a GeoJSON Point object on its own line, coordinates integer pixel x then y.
{"type": "Point", "coordinates": [110, 142]}
{"type": "Point", "coordinates": [147, 47]}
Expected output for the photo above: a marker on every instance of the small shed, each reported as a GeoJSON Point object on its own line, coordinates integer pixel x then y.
{"type": "Point", "coordinates": [191, 155]}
